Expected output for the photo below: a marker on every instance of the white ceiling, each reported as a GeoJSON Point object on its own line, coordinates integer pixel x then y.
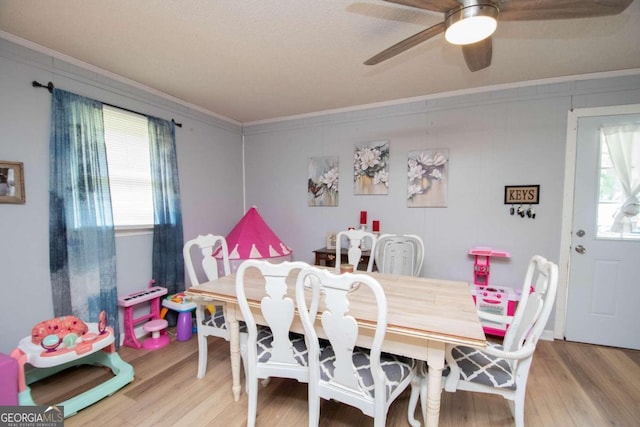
{"type": "Point", "coordinates": [258, 60]}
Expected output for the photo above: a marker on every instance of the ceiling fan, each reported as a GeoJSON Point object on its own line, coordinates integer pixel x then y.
{"type": "Point", "coordinates": [470, 23]}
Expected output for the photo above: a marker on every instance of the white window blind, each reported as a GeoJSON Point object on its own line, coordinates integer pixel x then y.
{"type": "Point", "coordinates": [127, 140]}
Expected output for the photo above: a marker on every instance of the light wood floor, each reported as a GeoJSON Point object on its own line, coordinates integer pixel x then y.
{"type": "Point", "coordinates": [570, 384]}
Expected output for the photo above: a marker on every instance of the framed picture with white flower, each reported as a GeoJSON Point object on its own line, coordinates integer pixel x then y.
{"type": "Point", "coordinates": [371, 168]}
{"type": "Point", "coordinates": [427, 178]}
{"type": "Point", "coordinates": [322, 184]}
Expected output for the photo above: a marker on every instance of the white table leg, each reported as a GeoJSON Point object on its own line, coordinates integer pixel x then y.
{"type": "Point", "coordinates": [234, 344]}
{"type": "Point", "coordinates": [423, 393]}
{"type": "Point", "coordinates": [418, 392]}
{"type": "Point", "coordinates": [435, 361]}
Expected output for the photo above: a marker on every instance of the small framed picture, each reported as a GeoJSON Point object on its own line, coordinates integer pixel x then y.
{"type": "Point", "coordinates": [331, 240]}
{"type": "Point", "coordinates": [11, 182]}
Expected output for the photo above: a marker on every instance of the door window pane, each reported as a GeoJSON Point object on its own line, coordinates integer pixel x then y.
{"type": "Point", "coordinates": [611, 196]}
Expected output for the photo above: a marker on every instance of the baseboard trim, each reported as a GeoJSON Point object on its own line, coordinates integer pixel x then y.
{"type": "Point", "coordinates": [547, 335]}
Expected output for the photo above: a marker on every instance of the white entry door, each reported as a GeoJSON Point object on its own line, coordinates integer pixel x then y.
{"type": "Point", "coordinates": [603, 298]}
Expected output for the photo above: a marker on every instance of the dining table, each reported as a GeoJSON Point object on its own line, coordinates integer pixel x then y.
{"type": "Point", "coordinates": [423, 316]}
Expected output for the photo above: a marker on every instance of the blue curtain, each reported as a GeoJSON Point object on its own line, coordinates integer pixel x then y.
{"type": "Point", "coordinates": [81, 233]}
{"type": "Point", "coordinates": [168, 264]}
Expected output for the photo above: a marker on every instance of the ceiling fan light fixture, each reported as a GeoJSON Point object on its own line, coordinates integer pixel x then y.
{"type": "Point", "coordinates": [470, 24]}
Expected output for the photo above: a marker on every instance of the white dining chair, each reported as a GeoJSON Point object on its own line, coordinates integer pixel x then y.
{"type": "Point", "coordinates": [399, 254]}
{"type": "Point", "coordinates": [271, 350]}
{"type": "Point", "coordinates": [366, 379]}
{"type": "Point", "coordinates": [504, 369]}
{"type": "Point", "coordinates": [355, 240]}
{"type": "Point", "coordinates": [210, 319]}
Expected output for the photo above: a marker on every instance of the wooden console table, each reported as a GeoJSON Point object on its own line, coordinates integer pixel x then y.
{"type": "Point", "coordinates": [327, 257]}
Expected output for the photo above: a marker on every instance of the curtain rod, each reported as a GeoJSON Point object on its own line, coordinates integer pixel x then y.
{"type": "Point", "coordinates": [49, 86]}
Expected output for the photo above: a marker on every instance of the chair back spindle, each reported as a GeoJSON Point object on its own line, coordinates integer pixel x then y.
{"type": "Point", "coordinates": [355, 240]}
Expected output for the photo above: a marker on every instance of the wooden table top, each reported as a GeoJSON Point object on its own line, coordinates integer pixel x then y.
{"type": "Point", "coordinates": [417, 307]}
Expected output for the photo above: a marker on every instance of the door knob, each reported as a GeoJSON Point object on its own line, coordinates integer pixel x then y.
{"type": "Point", "coordinates": [580, 249]}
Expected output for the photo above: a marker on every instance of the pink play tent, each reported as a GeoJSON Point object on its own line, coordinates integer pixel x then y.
{"type": "Point", "coordinates": [252, 238]}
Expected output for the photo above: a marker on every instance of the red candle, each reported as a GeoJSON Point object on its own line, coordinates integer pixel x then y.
{"type": "Point", "coordinates": [363, 217]}
{"type": "Point", "coordinates": [376, 226]}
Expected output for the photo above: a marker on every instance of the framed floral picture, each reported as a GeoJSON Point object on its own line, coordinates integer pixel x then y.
{"type": "Point", "coordinates": [371, 168]}
{"type": "Point", "coordinates": [427, 178]}
{"type": "Point", "coordinates": [11, 182]}
{"type": "Point", "coordinates": [322, 184]}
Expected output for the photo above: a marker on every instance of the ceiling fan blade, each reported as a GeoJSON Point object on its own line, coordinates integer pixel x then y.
{"type": "Point", "coordinates": [478, 55]}
{"type": "Point", "coordinates": [530, 10]}
{"type": "Point", "coordinates": [434, 5]}
{"type": "Point", "coordinates": [406, 44]}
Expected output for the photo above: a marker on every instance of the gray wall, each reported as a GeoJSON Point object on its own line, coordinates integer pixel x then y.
{"type": "Point", "coordinates": [490, 146]}
{"type": "Point", "coordinates": [209, 162]}
{"type": "Point", "coordinates": [503, 137]}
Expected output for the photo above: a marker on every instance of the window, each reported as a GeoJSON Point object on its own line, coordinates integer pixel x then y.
{"type": "Point", "coordinates": [127, 139]}
{"type": "Point", "coordinates": [612, 197]}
